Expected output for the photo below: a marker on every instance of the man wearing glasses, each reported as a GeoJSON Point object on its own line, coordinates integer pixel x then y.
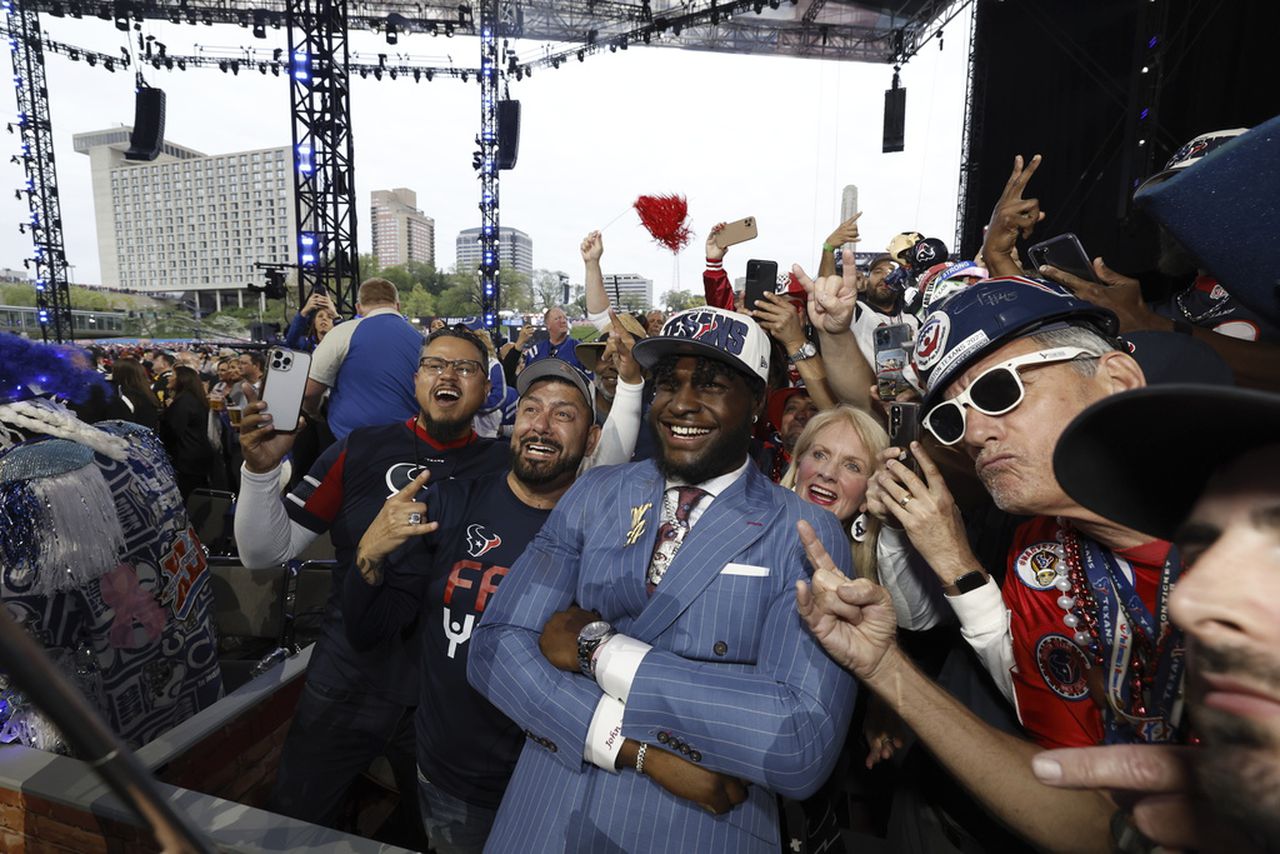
{"type": "Point", "coordinates": [358, 705]}
{"type": "Point", "coordinates": [1078, 636]}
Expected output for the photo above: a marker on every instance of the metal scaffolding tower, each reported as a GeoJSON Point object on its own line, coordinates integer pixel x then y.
{"type": "Point", "coordinates": [53, 296]}
{"type": "Point", "coordinates": [490, 78]}
{"type": "Point", "coordinates": [323, 153]}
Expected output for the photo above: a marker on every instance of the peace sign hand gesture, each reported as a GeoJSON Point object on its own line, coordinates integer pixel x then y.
{"type": "Point", "coordinates": [1013, 216]}
{"type": "Point", "coordinates": [852, 619]}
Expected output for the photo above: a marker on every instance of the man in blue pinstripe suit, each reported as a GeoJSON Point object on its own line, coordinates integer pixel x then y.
{"type": "Point", "coordinates": [647, 640]}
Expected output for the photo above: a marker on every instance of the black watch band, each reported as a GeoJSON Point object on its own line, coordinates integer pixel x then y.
{"type": "Point", "coordinates": [967, 582]}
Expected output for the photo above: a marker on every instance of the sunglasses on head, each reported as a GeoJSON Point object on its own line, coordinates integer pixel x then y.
{"type": "Point", "coordinates": [995, 391]}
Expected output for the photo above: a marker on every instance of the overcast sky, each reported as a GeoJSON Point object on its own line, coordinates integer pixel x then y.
{"type": "Point", "coordinates": [774, 138]}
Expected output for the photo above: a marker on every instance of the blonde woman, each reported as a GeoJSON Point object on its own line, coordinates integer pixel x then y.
{"type": "Point", "coordinates": [832, 462]}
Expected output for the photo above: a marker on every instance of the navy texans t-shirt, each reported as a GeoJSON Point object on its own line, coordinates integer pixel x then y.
{"type": "Point", "coordinates": [342, 494]}
{"type": "Point", "coordinates": [443, 582]}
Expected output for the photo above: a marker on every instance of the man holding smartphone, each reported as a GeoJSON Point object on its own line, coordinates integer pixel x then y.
{"type": "Point", "coordinates": [357, 705]}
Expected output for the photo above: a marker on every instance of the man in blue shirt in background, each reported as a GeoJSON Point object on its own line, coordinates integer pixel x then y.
{"type": "Point", "coordinates": [369, 364]}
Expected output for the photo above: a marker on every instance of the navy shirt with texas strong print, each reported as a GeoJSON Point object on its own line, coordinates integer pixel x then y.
{"type": "Point", "coordinates": [342, 494]}
{"type": "Point", "coordinates": [443, 581]}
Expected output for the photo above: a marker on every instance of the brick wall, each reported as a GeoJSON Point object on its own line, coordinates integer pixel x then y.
{"type": "Point", "coordinates": [31, 824]}
{"type": "Point", "coordinates": [238, 761]}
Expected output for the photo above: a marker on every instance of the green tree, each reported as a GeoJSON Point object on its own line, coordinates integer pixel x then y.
{"type": "Point", "coordinates": [681, 300]}
{"type": "Point", "coordinates": [419, 302]}
{"type": "Point", "coordinates": [547, 292]}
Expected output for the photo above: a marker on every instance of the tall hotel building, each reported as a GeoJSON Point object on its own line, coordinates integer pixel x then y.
{"type": "Point", "coordinates": [188, 221]}
{"type": "Point", "coordinates": [401, 232]}
{"type": "Point", "coordinates": [515, 250]}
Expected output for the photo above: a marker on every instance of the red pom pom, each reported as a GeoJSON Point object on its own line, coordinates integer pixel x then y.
{"type": "Point", "coordinates": [664, 217]}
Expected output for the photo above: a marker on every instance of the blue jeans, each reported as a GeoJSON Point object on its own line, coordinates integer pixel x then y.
{"type": "Point", "coordinates": [453, 825]}
{"type": "Point", "coordinates": [334, 736]}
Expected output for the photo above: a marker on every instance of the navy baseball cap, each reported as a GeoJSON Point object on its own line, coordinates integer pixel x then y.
{"type": "Point", "coordinates": [1142, 458]}
{"type": "Point", "coordinates": [555, 369]}
{"type": "Point", "coordinates": [975, 321]}
{"type": "Point", "coordinates": [715, 333]}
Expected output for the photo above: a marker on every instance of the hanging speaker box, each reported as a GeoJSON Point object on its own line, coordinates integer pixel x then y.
{"type": "Point", "coordinates": [508, 134]}
{"type": "Point", "coordinates": [148, 125]}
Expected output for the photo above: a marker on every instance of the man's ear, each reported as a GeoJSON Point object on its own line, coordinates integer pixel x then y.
{"type": "Point", "coordinates": [593, 439]}
{"type": "Point", "coordinates": [1120, 372]}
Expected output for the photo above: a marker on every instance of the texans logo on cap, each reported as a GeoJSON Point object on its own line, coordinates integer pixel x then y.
{"type": "Point", "coordinates": [721, 332]}
{"type": "Point", "coordinates": [931, 343]}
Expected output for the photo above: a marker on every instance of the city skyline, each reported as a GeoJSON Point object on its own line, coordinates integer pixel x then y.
{"type": "Point", "coordinates": [595, 136]}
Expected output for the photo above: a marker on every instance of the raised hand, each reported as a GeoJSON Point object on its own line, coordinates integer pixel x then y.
{"type": "Point", "coordinates": [592, 248]}
{"type": "Point", "coordinates": [853, 619]}
{"type": "Point", "coordinates": [831, 298]}
{"type": "Point", "coordinates": [400, 518]}
{"type": "Point", "coordinates": [262, 447]}
{"type": "Point", "coordinates": [1012, 216]}
{"type": "Point", "coordinates": [777, 316]}
{"type": "Point", "coordinates": [714, 250]}
{"type": "Point", "coordinates": [846, 232]}
{"type": "Point", "coordinates": [620, 342]}
{"type": "Point", "coordinates": [1118, 292]}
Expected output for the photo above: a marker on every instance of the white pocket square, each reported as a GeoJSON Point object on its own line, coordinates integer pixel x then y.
{"type": "Point", "coordinates": [745, 569]}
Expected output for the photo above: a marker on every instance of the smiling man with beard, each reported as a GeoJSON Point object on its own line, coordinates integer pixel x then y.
{"type": "Point", "coordinates": [356, 705]}
{"type": "Point", "coordinates": [687, 563]}
{"type": "Point", "coordinates": [436, 560]}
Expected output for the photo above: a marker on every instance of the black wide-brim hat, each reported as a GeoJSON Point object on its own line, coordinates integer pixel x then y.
{"type": "Point", "coordinates": [1142, 458]}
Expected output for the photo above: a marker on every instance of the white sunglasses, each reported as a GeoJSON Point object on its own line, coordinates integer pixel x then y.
{"type": "Point", "coordinates": [995, 391]}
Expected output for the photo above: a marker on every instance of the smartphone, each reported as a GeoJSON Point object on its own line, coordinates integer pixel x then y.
{"type": "Point", "coordinates": [283, 386]}
{"type": "Point", "coordinates": [904, 428]}
{"type": "Point", "coordinates": [893, 344]}
{"type": "Point", "coordinates": [737, 232]}
{"type": "Point", "coordinates": [762, 278]}
{"type": "Point", "coordinates": [1065, 253]}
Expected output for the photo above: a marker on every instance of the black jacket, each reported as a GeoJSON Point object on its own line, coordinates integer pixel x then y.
{"type": "Point", "coordinates": [184, 431]}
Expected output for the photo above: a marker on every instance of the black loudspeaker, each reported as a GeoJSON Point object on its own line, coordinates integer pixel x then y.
{"type": "Point", "coordinates": [895, 119]}
{"type": "Point", "coordinates": [508, 134]}
{"type": "Point", "coordinates": [148, 125]}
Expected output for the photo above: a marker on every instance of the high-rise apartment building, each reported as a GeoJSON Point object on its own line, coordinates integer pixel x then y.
{"type": "Point", "coordinates": [401, 232]}
{"type": "Point", "coordinates": [188, 221]}
{"type": "Point", "coordinates": [629, 290]}
{"type": "Point", "coordinates": [515, 250]}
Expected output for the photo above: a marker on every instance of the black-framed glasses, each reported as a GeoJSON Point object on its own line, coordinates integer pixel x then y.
{"type": "Point", "coordinates": [997, 390]}
{"type": "Point", "coordinates": [465, 368]}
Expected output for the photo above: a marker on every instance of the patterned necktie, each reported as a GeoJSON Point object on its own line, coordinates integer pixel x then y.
{"type": "Point", "coordinates": [672, 531]}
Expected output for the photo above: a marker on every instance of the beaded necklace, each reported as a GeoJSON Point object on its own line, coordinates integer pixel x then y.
{"type": "Point", "coordinates": [1141, 658]}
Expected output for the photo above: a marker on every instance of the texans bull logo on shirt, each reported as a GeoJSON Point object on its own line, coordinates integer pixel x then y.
{"type": "Point", "coordinates": [474, 576]}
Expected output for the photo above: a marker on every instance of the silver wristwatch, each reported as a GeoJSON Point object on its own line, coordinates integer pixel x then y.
{"type": "Point", "coordinates": [589, 639]}
{"type": "Point", "coordinates": [806, 351]}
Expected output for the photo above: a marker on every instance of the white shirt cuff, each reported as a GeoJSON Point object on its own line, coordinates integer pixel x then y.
{"type": "Point", "coordinates": [617, 661]}
{"type": "Point", "coordinates": [981, 610]}
{"type": "Point", "coordinates": [600, 320]}
{"type": "Point", "coordinates": [604, 736]}
{"type": "Point", "coordinates": [264, 478]}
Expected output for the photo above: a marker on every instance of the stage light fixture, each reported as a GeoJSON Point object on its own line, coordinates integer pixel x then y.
{"type": "Point", "coordinates": [259, 31]}
{"type": "Point", "coordinates": [393, 37]}
{"type": "Point", "coordinates": [417, 75]}
{"type": "Point", "coordinates": [582, 56]}
{"type": "Point", "coordinates": [109, 64]}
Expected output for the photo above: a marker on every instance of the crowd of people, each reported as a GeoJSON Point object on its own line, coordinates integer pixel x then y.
{"type": "Point", "coordinates": [738, 578]}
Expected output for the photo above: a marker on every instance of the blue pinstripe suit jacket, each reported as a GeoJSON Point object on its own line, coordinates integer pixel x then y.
{"type": "Point", "coordinates": [733, 672]}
